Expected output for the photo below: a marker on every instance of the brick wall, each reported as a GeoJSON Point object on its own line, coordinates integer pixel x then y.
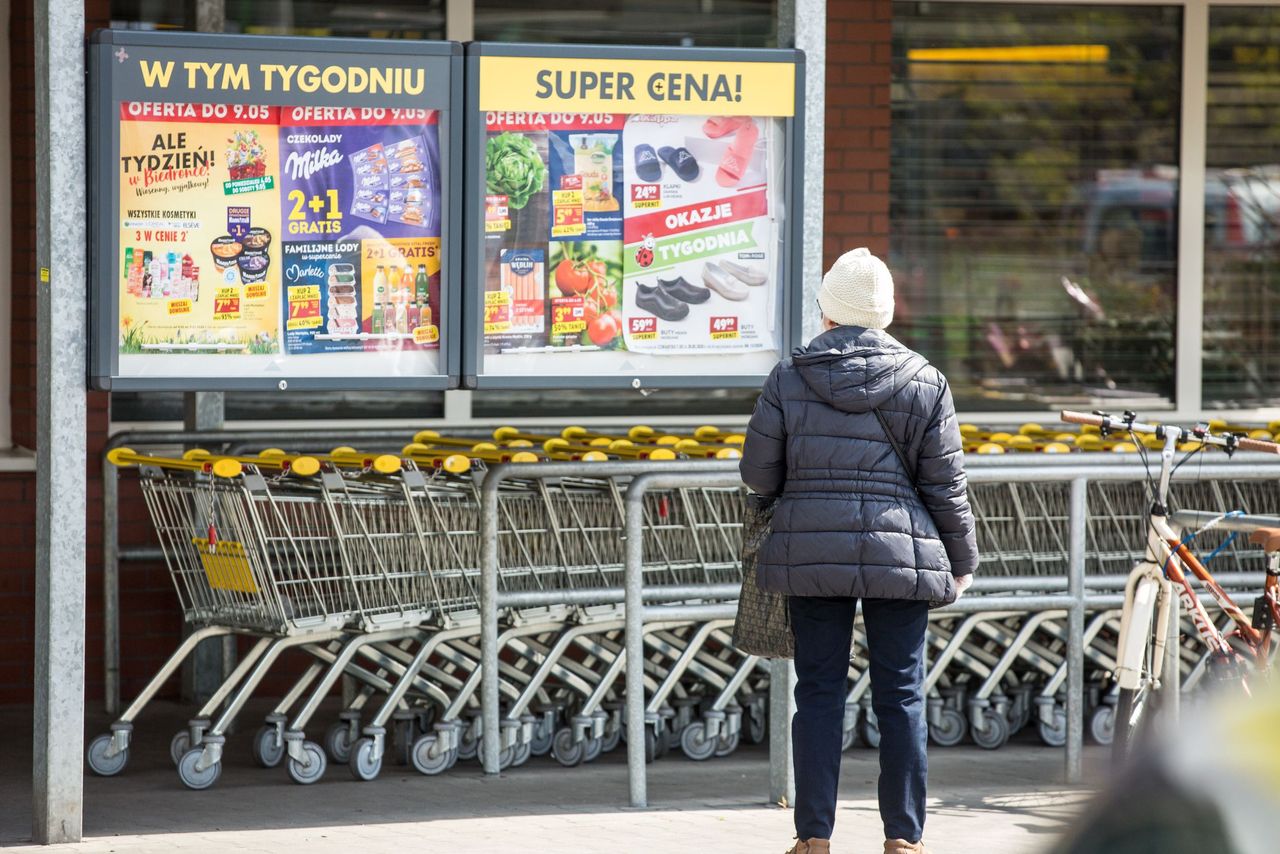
{"type": "Point", "coordinates": [150, 621]}
{"type": "Point", "coordinates": [859, 38]}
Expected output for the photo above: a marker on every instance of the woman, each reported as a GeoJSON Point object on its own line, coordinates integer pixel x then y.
{"type": "Point", "coordinates": [857, 437]}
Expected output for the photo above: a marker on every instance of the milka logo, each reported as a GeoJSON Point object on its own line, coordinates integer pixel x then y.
{"type": "Point", "coordinates": [303, 165]}
{"type": "Point", "coordinates": [296, 271]}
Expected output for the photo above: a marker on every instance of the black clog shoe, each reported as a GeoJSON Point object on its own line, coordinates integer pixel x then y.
{"type": "Point", "coordinates": [660, 304]}
{"type": "Point", "coordinates": [684, 291]}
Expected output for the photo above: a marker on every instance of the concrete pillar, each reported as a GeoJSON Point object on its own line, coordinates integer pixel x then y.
{"type": "Point", "coordinates": [61, 426]}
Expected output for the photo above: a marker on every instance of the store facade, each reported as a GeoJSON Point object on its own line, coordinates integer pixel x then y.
{"type": "Point", "coordinates": [1080, 203]}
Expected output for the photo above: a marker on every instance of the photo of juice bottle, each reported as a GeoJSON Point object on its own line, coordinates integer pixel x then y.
{"type": "Point", "coordinates": [377, 320]}
{"type": "Point", "coordinates": [421, 284]}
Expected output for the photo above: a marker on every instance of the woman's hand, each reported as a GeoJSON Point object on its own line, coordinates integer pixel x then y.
{"type": "Point", "coordinates": [963, 582]}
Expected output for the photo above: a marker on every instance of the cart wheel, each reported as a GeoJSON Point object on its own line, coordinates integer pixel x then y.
{"type": "Point", "coordinates": [179, 745]}
{"type": "Point", "coordinates": [506, 758]}
{"type": "Point", "coordinates": [650, 746]}
{"type": "Point", "coordinates": [429, 764]}
{"type": "Point", "coordinates": [595, 746]}
{"type": "Point", "coordinates": [726, 744]}
{"type": "Point", "coordinates": [1102, 725]}
{"type": "Point", "coordinates": [193, 778]}
{"type": "Point", "coordinates": [402, 744]}
{"type": "Point", "coordinates": [695, 744]}
{"type": "Point", "coordinates": [565, 750]}
{"type": "Point", "coordinates": [361, 762]}
{"type": "Point", "coordinates": [663, 745]}
{"type": "Point", "coordinates": [994, 736]}
{"type": "Point", "coordinates": [102, 764]}
{"type": "Point", "coordinates": [612, 738]}
{"type": "Point", "coordinates": [468, 745]}
{"type": "Point", "coordinates": [847, 738]}
{"type": "Point", "coordinates": [541, 744]}
{"type": "Point", "coordinates": [337, 741]}
{"type": "Point", "coordinates": [1054, 734]}
{"type": "Point", "coordinates": [869, 729]}
{"type": "Point", "coordinates": [949, 731]}
{"type": "Point", "coordinates": [267, 751]}
{"type": "Point", "coordinates": [311, 768]}
{"type": "Point", "coordinates": [754, 731]}
{"type": "Point", "coordinates": [523, 751]}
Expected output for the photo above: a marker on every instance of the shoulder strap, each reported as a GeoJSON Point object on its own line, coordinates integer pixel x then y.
{"type": "Point", "coordinates": [884, 424]}
{"type": "Point", "coordinates": [897, 449]}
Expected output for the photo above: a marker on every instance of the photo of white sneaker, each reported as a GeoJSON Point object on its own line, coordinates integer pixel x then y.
{"type": "Point", "coordinates": [716, 278]}
{"type": "Point", "coordinates": [753, 276]}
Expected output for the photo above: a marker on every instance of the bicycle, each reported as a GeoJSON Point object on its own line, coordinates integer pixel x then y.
{"type": "Point", "coordinates": [1167, 569]}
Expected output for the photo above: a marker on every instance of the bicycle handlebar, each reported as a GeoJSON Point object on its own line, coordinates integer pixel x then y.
{"type": "Point", "coordinates": [1230, 441]}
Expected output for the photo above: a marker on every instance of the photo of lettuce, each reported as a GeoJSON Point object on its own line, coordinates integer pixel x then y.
{"type": "Point", "coordinates": [514, 168]}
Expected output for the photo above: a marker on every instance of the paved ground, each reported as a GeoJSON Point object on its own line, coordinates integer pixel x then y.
{"type": "Point", "coordinates": [1011, 801]}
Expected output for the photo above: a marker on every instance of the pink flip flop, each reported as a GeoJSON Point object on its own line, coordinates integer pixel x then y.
{"type": "Point", "coordinates": [738, 157]}
{"type": "Point", "coordinates": [718, 126]}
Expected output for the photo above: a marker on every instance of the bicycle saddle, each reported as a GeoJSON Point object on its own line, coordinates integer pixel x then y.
{"type": "Point", "coordinates": [1268, 538]}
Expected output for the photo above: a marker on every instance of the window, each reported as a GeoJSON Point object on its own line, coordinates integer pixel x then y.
{"type": "Point", "coordinates": [724, 23]}
{"type": "Point", "coordinates": [1242, 209]}
{"type": "Point", "coordinates": [405, 19]}
{"type": "Point", "coordinates": [1033, 190]}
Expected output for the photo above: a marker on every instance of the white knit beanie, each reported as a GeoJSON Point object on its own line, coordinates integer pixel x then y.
{"type": "Point", "coordinates": [858, 291]}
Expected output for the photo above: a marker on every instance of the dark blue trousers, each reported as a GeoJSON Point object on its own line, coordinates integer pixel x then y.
{"type": "Point", "coordinates": [895, 639]}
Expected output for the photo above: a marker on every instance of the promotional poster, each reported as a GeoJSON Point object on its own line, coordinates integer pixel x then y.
{"type": "Point", "coordinates": [275, 230]}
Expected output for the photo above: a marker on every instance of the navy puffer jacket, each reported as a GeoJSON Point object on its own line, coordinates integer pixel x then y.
{"type": "Point", "coordinates": [848, 521]}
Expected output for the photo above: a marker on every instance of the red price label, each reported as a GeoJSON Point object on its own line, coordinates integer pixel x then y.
{"type": "Point", "coordinates": [641, 325]}
{"type": "Point", "coordinates": [724, 327]}
{"type": "Point", "coordinates": [646, 195]}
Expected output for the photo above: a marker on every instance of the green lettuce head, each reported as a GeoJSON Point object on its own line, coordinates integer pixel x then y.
{"type": "Point", "coordinates": [514, 168]}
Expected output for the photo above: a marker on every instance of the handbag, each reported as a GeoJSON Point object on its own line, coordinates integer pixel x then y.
{"type": "Point", "coordinates": [763, 623]}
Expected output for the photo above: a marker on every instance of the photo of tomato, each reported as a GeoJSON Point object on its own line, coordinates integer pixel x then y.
{"type": "Point", "coordinates": [592, 273]}
{"type": "Point", "coordinates": [605, 329]}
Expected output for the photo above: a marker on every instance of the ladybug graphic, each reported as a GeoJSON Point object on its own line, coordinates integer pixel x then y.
{"type": "Point", "coordinates": [644, 255]}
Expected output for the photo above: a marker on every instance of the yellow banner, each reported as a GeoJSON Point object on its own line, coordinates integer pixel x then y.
{"type": "Point", "coordinates": [543, 84]}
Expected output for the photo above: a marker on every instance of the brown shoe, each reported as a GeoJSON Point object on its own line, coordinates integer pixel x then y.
{"type": "Point", "coordinates": [811, 846]}
{"type": "Point", "coordinates": [902, 846]}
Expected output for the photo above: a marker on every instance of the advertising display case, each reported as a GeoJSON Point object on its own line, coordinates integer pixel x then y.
{"type": "Point", "coordinates": [632, 215]}
{"type": "Point", "coordinates": [274, 212]}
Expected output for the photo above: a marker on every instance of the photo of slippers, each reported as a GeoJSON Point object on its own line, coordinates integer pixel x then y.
{"type": "Point", "coordinates": [680, 161]}
{"type": "Point", "coordinates": [648, 166]}
{"type": "Point", "coordinates": [738, 157]}
{"type": "Point", "coordinates": [715, 278]}
{"type": "Point", "coordinates": [753, 276]}
{"type": "Point", "coordinates": [718, 126]}
{"type": "Point", "coordinates": [660, 304]}
{"type": "Point", "coordinates": [684, 290]}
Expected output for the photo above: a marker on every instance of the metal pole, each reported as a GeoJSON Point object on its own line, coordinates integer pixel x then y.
{"type": "Point", "coordinates": [634, 581]}
{"type": "Point", "coordinates": [782, 707]}
{"type": "Point", "coordinates": [803, 24]}
{"type": "Point", "coordinates": [61, 332]}
{"type": "Point", "coordinates": [1075, 630]}
{"type": "Point", "coordinates": [489, 745]}
{"type": "Point", "coordinates": [110, 587]}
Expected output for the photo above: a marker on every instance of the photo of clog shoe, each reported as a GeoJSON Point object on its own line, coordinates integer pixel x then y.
{"type": "Point", "coordinates": [681, 161]}
{"type": "Point", "coordinates": [715, 277]}
{"type": "Point", "coordinates": [684, 290]}
{"type": "Point", "coordinates": [648, 166]}
{"type": "Point", "coordinates": [753, 276]}
{"type": "Point", "coordinates": [738, 157]}
{"type": "Point", "coordinates": [718, 126]}
{"type": "Point", "coordinates": [659, 303]}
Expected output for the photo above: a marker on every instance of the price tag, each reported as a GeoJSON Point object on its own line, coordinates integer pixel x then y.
{"type": "Point", "coordinates": [643, 328]}
{"type": "Point", "coordinates": [724, 328]}
{"type": "Point", "coordinates": [226, 304]}
{"type": "Point", "coordinates": [304, 307]}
